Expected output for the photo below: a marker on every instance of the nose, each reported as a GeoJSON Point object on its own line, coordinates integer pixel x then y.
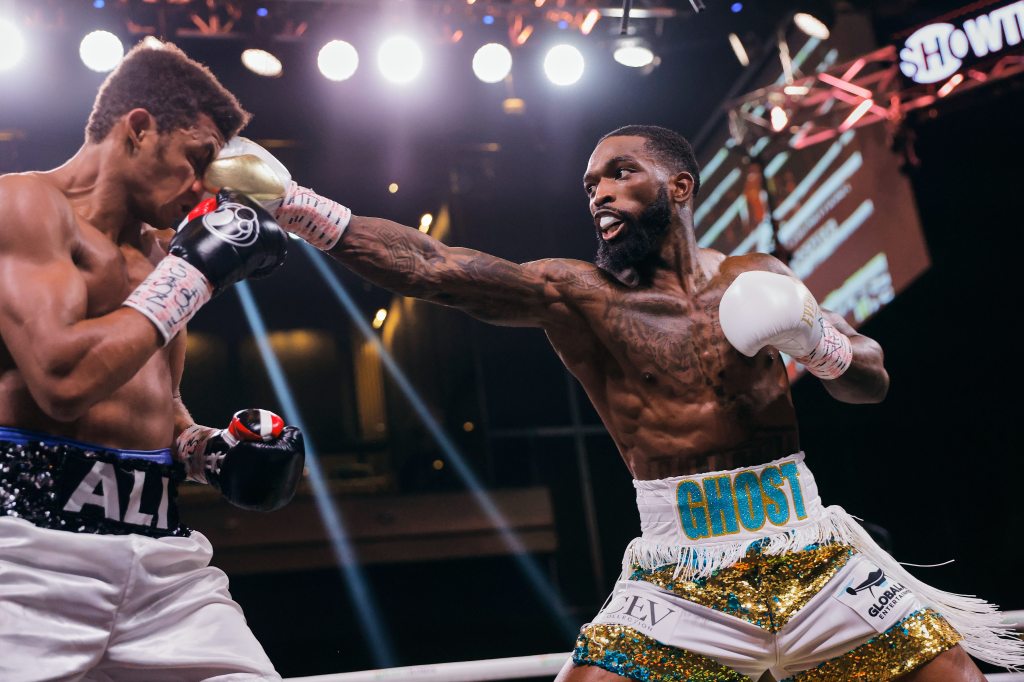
{"type": "Point", "coordinates": [602, 195]}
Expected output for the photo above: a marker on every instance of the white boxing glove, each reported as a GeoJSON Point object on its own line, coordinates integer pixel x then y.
{"type": "Point", "coordinates": [247, 167]}
{"type": "Point", "coordinates": [768, 309]}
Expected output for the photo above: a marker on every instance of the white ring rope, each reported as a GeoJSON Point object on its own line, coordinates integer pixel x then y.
{"type": "Point", "coordinates": [541, 665]}
{"type": "Point", "coordinates": [520, 667]}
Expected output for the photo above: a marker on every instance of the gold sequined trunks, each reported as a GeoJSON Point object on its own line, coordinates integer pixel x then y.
{"type": "Point", "coordinates": [764, 589]}
{"type": "Point", "coordinates": [803, 615]}
{"type": "Point", "coordinates": [746, 571]}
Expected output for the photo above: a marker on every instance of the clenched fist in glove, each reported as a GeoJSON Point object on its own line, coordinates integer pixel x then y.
{"type": "Point", "coordinates": [768, 309]}
{"type": "Point", "coordinates": [256, 462]}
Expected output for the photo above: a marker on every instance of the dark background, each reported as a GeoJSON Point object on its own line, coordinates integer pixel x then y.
{"type": "Point", "coordinates": [938, 464]}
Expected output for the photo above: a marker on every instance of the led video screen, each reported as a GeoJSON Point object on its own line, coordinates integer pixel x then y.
{"type": "Point", "coordinates": [844, 211]}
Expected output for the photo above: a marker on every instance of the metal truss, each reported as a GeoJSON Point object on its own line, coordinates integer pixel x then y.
{"type": "Point", "coordinates": [861, 92]}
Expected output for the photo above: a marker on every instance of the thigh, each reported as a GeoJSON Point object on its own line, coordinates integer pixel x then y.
{"type": "Point", "coordinates": [179, 621]}
{"type": "Point", "coordinates": [54, 619]}
{"type": "Point", "coordinates": [571, 672]}
{"type": "Point", "coordinates": [953, 665]}
{"type": "Point", "coordinates": [865, 624]}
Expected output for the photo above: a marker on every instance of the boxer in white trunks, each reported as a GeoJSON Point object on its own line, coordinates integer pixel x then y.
{"type": "Point", "coordinates": [98, 579]}
{"type": "Point", "coordinates": [740, 569]}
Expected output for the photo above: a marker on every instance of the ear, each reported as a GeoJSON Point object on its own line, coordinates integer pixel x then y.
{"type": "Point", "coordinates": [139, 123]}
{"type": "Point", "coordinates": [680, 187]}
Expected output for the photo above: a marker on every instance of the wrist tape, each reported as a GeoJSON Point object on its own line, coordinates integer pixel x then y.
{"type": "Point", "coordinates": [191, 446]}
{"type": "Point", "coordinates": [832, 356]}
{"type": "Point", "coordinates": [314, 218]}
{"type": "Point", "coordinates": [171, 295]}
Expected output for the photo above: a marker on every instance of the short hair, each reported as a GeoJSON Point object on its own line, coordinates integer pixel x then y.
{"type": "Point", "coordinates": [667, 146]}
{"type": "Point", "coordinates": [175, 89]}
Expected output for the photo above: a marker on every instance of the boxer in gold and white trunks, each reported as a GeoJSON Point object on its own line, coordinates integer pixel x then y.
{"type": "Point", "coordinates": [740, 569]}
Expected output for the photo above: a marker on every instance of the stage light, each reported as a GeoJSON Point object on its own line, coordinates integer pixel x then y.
{"type": "Point", "coordinates": [426, 220]}
{"type": "Point", "coordinates": [590, 21]}
{"type": "Point", "coordinates": [856, 115]}
{"type": "Point", "coordinates": [811, 25]}
{"type": "Point", "coordinates": [262, 12]}
{"type": "Point", "coordinates": [378, 319]}
{"type": "Point", "coordinates": [513, 106]}
{"type": "Point", "coordinates": [262, 63]}
{"type": "Point", "coordinates": [563, 65]}
{"type": "Point", "coordinates": [101, 51]}
{"type": "Point", "coordinates": [633, 52]}
{"type": "Point", "coordinates": [950, 85]}
{"type": "Point", "coordinates": [393, 188]}
{"type": "Point", "coordinates": [337, 60]}
{"type": "Point", "coordinates": [99, 4]}
{"type": "Point", "coordinates": [739, 50]}
{"type": "Point", "coordinates": [563, 24]}
{"type": "Point", "coordinates": [438, 464]}
{"type": "Point", "coordinates": [153, 43]}
{"type": "Point", "coordinates": [736, 7]}
{"type": "Point", "coordinates": [488, 19]}
{"type": "Point", "coordinates": [779, 118]}
{"type": "Point", "coordinates": [12, 45]}
{"type": "Point", "coordinates": [492, 63]}
{"type": "Point", "coordinates": [400, 59]}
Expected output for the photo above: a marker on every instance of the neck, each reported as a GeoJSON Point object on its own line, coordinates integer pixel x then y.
{"type": "Point", "coordinates": [97, 193]}
{"type": "Point", "coordinates": [679, 264]}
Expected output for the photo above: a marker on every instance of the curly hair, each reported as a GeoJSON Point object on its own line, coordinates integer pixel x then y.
{"type": "Point", "coordinates": [667, 146]}
{"type": "Point", "coordinates": [175, 89]}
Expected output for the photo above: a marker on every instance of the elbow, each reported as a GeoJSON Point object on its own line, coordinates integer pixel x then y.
{"type": "Point", "coordinates": [63, 402]}
{"type": "Point", "coordinates": [60, 386]}
{"type": "Point", "coordinates": [874, 393]}
{"type": "Point", "coordinates": [882, 390]}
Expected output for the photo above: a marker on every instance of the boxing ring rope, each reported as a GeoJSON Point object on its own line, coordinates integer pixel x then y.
{"type": "Point", "coordinates": [523, 667]}
{"type": "Point", "coordinates": [518, 667]}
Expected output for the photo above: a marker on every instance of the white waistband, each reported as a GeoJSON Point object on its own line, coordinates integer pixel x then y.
{"type": "Point", "coordinates": [734, 506]}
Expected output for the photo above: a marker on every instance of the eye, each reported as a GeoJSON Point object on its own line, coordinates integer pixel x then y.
{"type": "Point", "coordinates": [620, 173]}
{"type": "Point", "coordinates": [589, 189]}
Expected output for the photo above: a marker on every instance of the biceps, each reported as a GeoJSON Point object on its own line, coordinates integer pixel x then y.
{"type": "Point", "coordinates": [494, 289]}
{"type": "Point", "coordinates": [486, 276]}
{"type": "Point", "coordinates": [38, 303]}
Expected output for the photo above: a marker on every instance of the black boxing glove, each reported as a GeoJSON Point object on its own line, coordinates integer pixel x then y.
{"type": "Point", "coordinates": [256, 463]}
{"type": "Point", "coordinates": [225, 239]}
{"type": "Point", "coordinates": [232, 239]}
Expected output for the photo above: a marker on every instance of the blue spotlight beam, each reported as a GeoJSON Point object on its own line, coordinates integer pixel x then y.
{"type": "Point", "coordinates": [355, 581]}
{"type": "Point", "coordinates": [548, 593]}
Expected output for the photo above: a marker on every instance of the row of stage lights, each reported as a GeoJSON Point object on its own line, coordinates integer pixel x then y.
{"type": "Point", "coordinates": [399, 58]}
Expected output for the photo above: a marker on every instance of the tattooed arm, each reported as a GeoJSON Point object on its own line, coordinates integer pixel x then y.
{"type": "Point", "coordinates": [865, 380]}
{"type": "Point", "coordinates": [411, 263]}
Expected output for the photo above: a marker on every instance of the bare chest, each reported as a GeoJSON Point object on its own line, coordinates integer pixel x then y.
{"type": "Point", "coordinates": [110, 271]}
{"type": "Point", "coordinates": [670, 342]}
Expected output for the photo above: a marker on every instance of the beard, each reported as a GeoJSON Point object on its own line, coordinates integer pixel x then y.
{"type": "Point", "coordinates": [639, 243]}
